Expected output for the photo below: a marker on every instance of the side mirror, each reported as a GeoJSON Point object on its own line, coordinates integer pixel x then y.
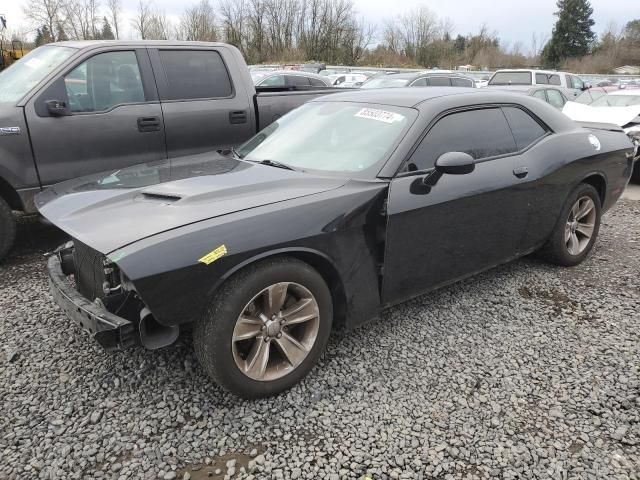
{"type": "Point", "coordinates": [57, 108]}
{"type": "Point", "coordinates": [455, 163]}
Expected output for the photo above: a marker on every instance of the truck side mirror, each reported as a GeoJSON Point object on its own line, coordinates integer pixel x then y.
{"type": "Point", "coordinates": [57, 108]}
{"type": "Point", "coordinates": [455, 163]}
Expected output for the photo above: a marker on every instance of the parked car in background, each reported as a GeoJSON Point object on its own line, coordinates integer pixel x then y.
{"type": "Point", "coordinates": [347, 205]}
{"type": "Point", "coordinates": [334, 71]}
{"type": "Point", "coordinates": [348, 80]}
{"type": "Point", "coordinates": [621, 108]}
{"type": "Point", "coordinates": [552, 96]}
{"type": "Point", "coordinates": [73, 108]}
{"type": "Point", "coordinates": [569, 83]}
{"type": "Point", "coordinates": [289, 78]}
{"type": "Point", "coordinates": [419, 79]}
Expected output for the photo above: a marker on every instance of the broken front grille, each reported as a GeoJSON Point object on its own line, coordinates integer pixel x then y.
{"type": "Point", "coordinates": [89, 271]}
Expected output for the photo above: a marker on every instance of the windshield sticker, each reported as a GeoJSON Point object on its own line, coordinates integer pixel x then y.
{"type": "Point", "coordinates": [33, 63]}
{"type": "Point", "coordinates": [379, 115]}
{"type": "Point", "coordinates": [211, 257]}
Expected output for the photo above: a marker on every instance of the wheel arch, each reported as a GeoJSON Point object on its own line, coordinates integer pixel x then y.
{"type": "Point", "coordinates": [316, 259]}
{"type": "Point", "coordinates": [599, 182]}
{"type": "Point", "coordinates": [10, 195]}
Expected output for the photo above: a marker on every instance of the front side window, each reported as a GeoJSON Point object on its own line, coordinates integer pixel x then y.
{"type": "Point", "coordinates": [511, 78]}
{"type": "Point", "coordinates": [193, 74]}
{"type": "Point", "coordinates": [439, 82]}
{"type": "Point", "coordinates": [421, 82]}
{"type": "Point", "coordinates": [554, 80]}
{"type": "Point", "coordinates": [577, 82]}
{"type": "Point", "coordinates": [480, 133]}
{"type": "Point", "coordinates": [18, 79]}
{"type": "Point", "coordinates": [331, 136]}
{"type": "Point", "coordinates": [524, 128]}
{"type": "Point", "coordinates": [104, 81]}
{"type": "Point", "coordinates": [540, 94]}
{"type": "Point", "coordinates": [556, 98]}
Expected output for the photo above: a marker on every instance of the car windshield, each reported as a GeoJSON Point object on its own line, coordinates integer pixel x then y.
{"type": "Point", "coordinates": [331, 136]}
{"type": "Point", "coordinates": [22, 76]}
{"type": "Point", "coordinates": [386, 82]}
{"type": "Point", "coordinates": [511, 78]}
{"type": "Point", "coordinates": [616, 101]}
{"type": "Point", "coordinates": [255, 76]}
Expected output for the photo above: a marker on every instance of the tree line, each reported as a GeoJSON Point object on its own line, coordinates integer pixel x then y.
{"type": "Point", "coordinates": [332, 31]}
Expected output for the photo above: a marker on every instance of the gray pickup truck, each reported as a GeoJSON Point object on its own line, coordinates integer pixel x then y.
{"type": "Point", "coordinates": [74, 108]}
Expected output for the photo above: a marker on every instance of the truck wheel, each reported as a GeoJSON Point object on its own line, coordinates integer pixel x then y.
{"type": "Point", "coordinates": [577, 228]}
{"type": "Point", "coordinates": [7, 229]}
{"type": "Point", "coordinates": [265, 328]}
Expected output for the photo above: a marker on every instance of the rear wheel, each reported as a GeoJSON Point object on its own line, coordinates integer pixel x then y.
{"type": "Point", "coordinates": [577, 228]}
{"type": "Point", "coordinates": [266, 328]}
{"type": "Point", "coordinates": [7, 229]}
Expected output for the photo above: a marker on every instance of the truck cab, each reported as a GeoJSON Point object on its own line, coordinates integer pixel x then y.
{"type": "Point", "coordinates": [71, 109]}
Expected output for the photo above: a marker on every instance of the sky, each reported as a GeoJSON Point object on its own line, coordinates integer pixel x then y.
{"type": "Point", "coordinates": [513, 20]}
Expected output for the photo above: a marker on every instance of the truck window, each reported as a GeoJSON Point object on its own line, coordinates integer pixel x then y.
{"type": "Point", "coordinates": [554, 80]}
{"type": "Point", "coordinates": [296, 81]}
{"type": "Point", "coordinates": [461, 82]}
{"type": "Point", "coordinates": [195, 74]}
{"type": "Point", "coordinates": [439, 81]}
{"type": "Point", "coordinates": [104, 81]}
{"type": "Point", "coordinates": [511, 78]}
{"type": "Point", "coordinates": [541, 79]}
{"type": "Point", "coordinates": [273, 81]}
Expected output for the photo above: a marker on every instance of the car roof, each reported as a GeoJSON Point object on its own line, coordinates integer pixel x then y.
{"type": "Point", "coordinates": [532, 70]}
{"type": "Point", "coordinates": [407, 97]}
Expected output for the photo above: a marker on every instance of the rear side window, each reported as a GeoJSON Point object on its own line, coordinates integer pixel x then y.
{"type": "Point", "coordinates": [511, 78]}
{"type": "Point", "coordinates": [540, 94]}
{"type": "Point", "coordinates": [541, 79]}
{"type": "Point", "coordinates": [461, 82]}
{"type": "Point", "coordinates": [296, 81]}
{"type": "Point", "coordinates": [524, 128]}
{"type": "Point", "coordinates": [554, 79]}
{"type": "Point", "coordinates": [439, 82]}
{"type": "Point", "coordinates": [316, 82]}
{"type": "Point", "coordinates": [480, 133]}
{"type": "Point", "coordinates": [273, 81]}
{"type": "Point", "coordinates": [195, 74]}
{"type": "Point", "coordinates": [556, 98]}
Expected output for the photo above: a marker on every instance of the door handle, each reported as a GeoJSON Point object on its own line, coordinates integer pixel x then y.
{"type": "Point", "coordinates": [237, 117]}
{"type": "Point", "coordinates": [521, 172]}
{"type": "Point", "coordinates": [148, 124]}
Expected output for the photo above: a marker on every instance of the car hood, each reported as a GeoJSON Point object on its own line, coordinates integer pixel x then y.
{"type": "Point", "coordinates": [113, 209]}
{"type": "Point", "coordinates": [620, 116]}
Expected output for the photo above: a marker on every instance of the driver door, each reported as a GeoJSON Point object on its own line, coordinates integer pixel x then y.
{"type": "Point", "coordinates": [112, 117]}
{"type": "Point", "coordinates": [461, 224]}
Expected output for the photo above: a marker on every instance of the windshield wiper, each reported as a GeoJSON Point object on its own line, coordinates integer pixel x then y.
{"type": "Point", "coordinates": [273, 163]}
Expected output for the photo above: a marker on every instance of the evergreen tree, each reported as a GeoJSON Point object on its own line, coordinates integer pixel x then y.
{"type": "Point", "coordinates": [61, 34]}
{"type": "Point", "coordinates": [572, 35]}
{"type": "Point", "coordinates": [460, 43]}
{"type": "Point", "coordinates": [43, 36]}
{"type": "Point", "coordinates": [38, 39]}
{"type": "Point", "coordinates": [107, 33]}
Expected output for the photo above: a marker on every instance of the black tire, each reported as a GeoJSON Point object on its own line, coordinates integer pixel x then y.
{"type": "Point", "coordinates": [212, 334]}
{"type": "Point", "coordinates": [7, 229]}
{"type": "Point", "coordinates": [556, 250]}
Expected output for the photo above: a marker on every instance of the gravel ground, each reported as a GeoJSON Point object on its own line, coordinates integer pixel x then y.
{"type": "Point", "coordinates": [526, 371]}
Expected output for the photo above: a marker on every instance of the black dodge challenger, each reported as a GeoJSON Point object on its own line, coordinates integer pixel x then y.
{"type": "Point", "coordinates": [347, 205]}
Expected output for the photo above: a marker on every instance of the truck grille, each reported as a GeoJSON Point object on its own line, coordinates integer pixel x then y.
{"type": "Point", "coordinates": [89, 271]}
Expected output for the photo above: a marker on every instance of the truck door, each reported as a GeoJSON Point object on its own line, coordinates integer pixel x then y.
{"type": "Point", "coordinates": [102, 114]}
{"type": "Point", "coordinates": [203, 108]}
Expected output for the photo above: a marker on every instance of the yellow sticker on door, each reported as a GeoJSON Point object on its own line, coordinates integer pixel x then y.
{"type": "Point", "coordinates": [211, 257]}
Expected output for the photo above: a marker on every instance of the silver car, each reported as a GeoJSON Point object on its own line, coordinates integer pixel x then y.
{"type": "Point", "coordinates": [289, 78]}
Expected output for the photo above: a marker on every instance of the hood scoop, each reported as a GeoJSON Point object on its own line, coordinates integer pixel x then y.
{"type": "Point", "coordinates": [161, 197]}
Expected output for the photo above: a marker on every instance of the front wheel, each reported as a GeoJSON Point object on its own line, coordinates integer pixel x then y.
{"type": "Point", "coordinates": [577, 229]}
{"type": "Point", "coordinates": [265, 328]}
{"type": "Point", "coordinates": [7, 229]}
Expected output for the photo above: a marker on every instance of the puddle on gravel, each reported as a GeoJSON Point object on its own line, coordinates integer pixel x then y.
{"type": "Point", "coordinates": [203, 471]}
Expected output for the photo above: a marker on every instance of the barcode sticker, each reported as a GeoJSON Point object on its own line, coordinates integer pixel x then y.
{"type": "Point", "coordinates": [379, 115]}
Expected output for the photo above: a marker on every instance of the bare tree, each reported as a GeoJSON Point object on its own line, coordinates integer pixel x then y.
{"type": "Point", "coordinates": [159, 27]}
{"type": "Point", "coordinates": [115, 12]}
{"type": "Point", "coordinates": [199, 23]}
{"type": "Point", "coordinates": [141, 22]}
{"type": "Point", "coordinates": [47, 13]}
{"type": "Point", "coordinates": [82, 19]}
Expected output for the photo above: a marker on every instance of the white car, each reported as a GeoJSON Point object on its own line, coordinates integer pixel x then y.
{"type": "Point", "coordinates": [621, 108]}
{"type": "Point", "coordinates": [571, 84]}
{"type": "Point", "coordinates": [347, 80]}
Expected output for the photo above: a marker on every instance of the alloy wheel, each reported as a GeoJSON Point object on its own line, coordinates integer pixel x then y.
{"type": "Point", "coordinates": [580, 225]}
{"type": "Point", "coordinates": [275, 331]}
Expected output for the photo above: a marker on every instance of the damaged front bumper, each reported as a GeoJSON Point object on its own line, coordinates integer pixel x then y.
{"type": "Point", "coordinates": [109, 330]}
